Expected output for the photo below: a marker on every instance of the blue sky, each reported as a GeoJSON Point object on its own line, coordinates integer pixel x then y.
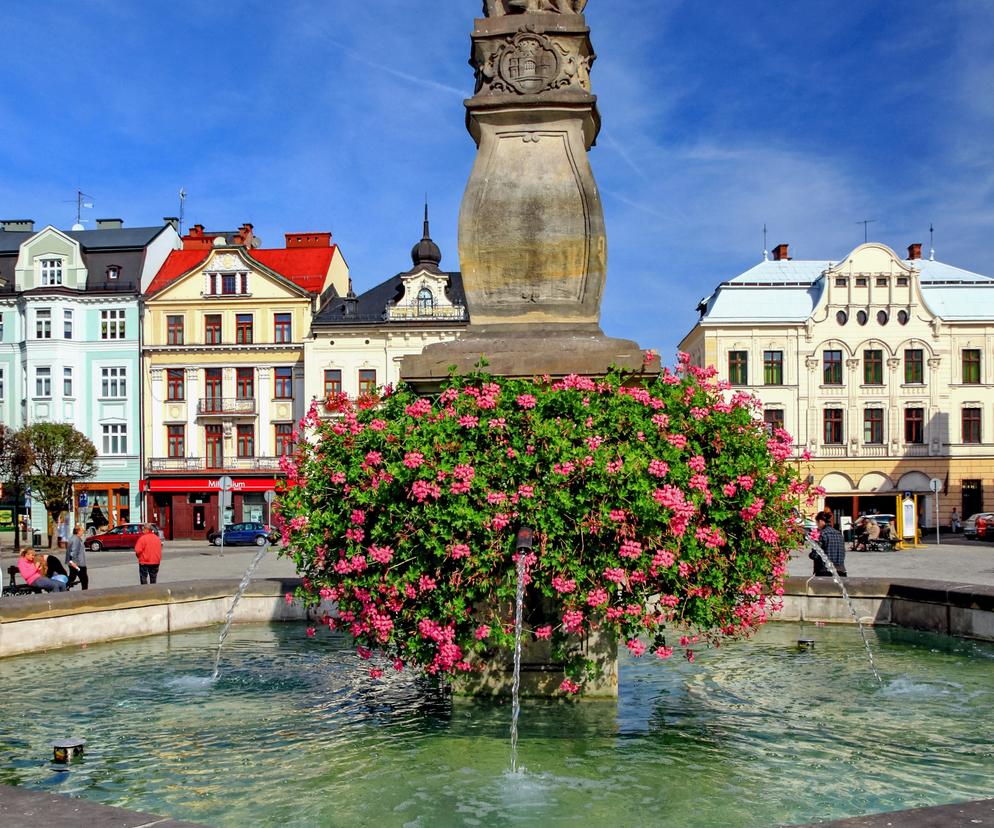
{"type": "Point", "coordinates": [336, 114]}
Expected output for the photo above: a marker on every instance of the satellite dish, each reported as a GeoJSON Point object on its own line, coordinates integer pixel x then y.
{"type": "Point", "coordinates": [78, 226]}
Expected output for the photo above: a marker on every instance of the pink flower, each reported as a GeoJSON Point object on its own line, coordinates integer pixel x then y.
{"type": "Point", "coordinates": [288, 598]}
{"type": "Point", "coordinates": [768, 535]}
{"type": "Point", "coordinates": [398, 664]}
{"type": "Point", "coordinates": [311, 632]}
{"type": "Point", "coordinates": [374, 458]}
{"type": "Point", "coordinates": [697, 463]}
{"type": "Point", "coordinates": [375, 672]}
{"type": "Point", "coordinates": [482, 632]}
{"type": "Point", "coordinates": [677, 440]}
{"type": "Point", "coordinates": [526, 401]}
{"type": "Point", "coordinates": [699, 482]}
{"type": "Point", "coordinates": [596, 597]}
{"type": "Point", "coordinates": [326, 593]}
{"type": "Point", "coordinates": [358, 517]}
{"type": "Point", "coordinates": [635, 647]}
{"type": "Point", "coordinates": [729, 489]}
{"type": "Point", "coordinates": [746, 482]}
{"type": "Point", "coordinates": [526, 491]}
{"type": "Point", "coordinates": [615, 466]}
{"type": "Point", "coordinates": [690, 656]}
{"type": "Point", "coordinates": [364, 653]}
{"type": "Point", "coordinates": [573, 620]}
{"type": "Point", "coordinates": [381, 554]}
{"type": "Point", "coordinates": [459, 550]}
{"type": "Point", "coordinates": [569, 686]}
{"type": "Point", "coordinates": [617, 515]}
{"type": "Point", "coordinates": [419, 408]}
{"type": "Point", "coordinates": [378, 425]}
{"type": "Point", "coordinates": [563, 585]}
{"type": "Point", "coordinates": [659, 468]}
{"type": "Point", "coordinates": [337, 477]}
{"type": "Point", "coordinates": [426, 583]}
{"type": "Point", "coordinates": [413, 459]}
{"type": "Point", "coordinates": [630, 549]}
{"type": "Point", "coordinates": [615, 574]}
{"type": "Point", "coordinates": [469, 421]}
{"type": "Point", "coordinates": [664, 558]}
{"type": "Point", "coordinates": [544, 631]}
{"type": "Point", "coordinates": [664, 652]}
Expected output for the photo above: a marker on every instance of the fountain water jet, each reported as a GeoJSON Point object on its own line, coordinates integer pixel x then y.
{"type": "Point", "coordinates": [234, 603]}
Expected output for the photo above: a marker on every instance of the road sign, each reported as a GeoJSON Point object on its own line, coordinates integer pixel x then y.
{"type": "Point", "coordinates": [84, 500]}
{"type": "Point", "coordinates": [269, 496]}
{"type": "Point", "coordinates": [935, 484]}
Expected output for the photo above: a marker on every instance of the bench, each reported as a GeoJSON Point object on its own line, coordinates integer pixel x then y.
{"type": "Point", "coordinates": [13, 588]}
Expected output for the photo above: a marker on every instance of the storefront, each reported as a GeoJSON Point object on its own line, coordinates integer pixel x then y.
{"type": "Point", "coordinates": [108, 504]}
{"type": "Point", "coordinates": [187, 507]}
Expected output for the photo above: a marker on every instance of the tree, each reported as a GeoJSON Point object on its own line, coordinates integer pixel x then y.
{"type": "Point", "coordinates": [61, 456]}
{"type": "Point", "coordinates": [16, 458]}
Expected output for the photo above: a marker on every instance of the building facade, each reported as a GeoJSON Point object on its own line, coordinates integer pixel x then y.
{"type": "Point", "coordinates": [357, 342]}
{"type": "Point", "coordinates": [224, 330]}
{"type": "Point", "coordinates": [69, 345]}
{"type": "Point", "coordinates": [881, 367]}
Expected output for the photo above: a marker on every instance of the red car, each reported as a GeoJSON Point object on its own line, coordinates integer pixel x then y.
{"type": "Point", "coordinates": [124, 536]}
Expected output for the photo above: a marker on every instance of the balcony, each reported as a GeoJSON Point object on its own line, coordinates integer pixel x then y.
{"type": "Point", "coordinates": [175, 464]}
{"type": "Point", "coordinates": [199, 464]}
{"type": "Point", "coordinates": [874, 450]}
{"type": "Point", "coordinates": [832, 450]}
{"type": "Point", "coordinates": [916, 450]}
{"type": "Point", "coordinates": [218, 406]}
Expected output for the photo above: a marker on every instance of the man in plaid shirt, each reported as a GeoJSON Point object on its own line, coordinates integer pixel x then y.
{"type": "Point", "coordinates": [832, 544]}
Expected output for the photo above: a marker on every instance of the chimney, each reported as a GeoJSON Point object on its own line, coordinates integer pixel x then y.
{"type": "Point", "coordinates": [915, 250]}
{"type": "Point", "coordinates": [244, 235]}
{"type": "Point", "coordinates": [173, 221]}
{"type": "Point", "coordinates": [110, 224]}
{"type": "Point", "coordinates": [18, 225]}
{"type": "Point", "coordinates": [780, 253]}
{"type": "Point", "coordinates": [308, 239]}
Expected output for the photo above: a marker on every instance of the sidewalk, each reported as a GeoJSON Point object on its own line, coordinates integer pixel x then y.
{"type": "Point", "coordinates": [962, 561]}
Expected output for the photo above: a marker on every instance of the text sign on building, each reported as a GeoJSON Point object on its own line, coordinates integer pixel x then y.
{"type": "Point", "coordinates": [910, 519]}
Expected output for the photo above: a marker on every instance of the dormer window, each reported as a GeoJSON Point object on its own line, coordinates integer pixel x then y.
{"type": "Point", "coordinates": [227, 284]}
{"type": "Point", "coordinates": [426, 302]}
{"type": "Point", "coordinates": [113, 272]}
{"type": "Point", "coordinates": [51, 272]}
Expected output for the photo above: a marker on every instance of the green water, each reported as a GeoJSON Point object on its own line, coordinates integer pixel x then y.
{"type": "Point", "coordinates": [296, 733]}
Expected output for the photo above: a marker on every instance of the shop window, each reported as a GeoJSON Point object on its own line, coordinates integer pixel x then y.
{"type": "Point", "coordinates": [175, 384]}
{"type": "Point", "coordinates": [283, 383]}
{"type": "Point", "coordinates": [332, 382]}
{"type": "Point", "coordinates": [174, 330]}
{"type": "Point", "coordinates": [914, 425]}
{"type": "Point", "coordinates": [176, 440]}
{"type": "Point", "coordinates": [971, 425]}
{"type": "Point", "coordinates": [772, 367]}
{"type": "Point", "coordinates": [832, 368]}
{"type": "Point", "coordinates": [243, 329]}
{"type": "Point", "coordinates": [833, 433]}
{"type": "Point", "coordinates": [873, 367]}
{"type": "Point", "coordinates": [914, 366]}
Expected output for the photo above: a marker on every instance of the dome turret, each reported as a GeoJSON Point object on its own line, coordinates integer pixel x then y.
{"type": "Point", "coordinates": [426, 252]}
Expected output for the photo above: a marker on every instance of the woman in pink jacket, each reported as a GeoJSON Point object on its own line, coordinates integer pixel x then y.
{"type": "Point", "coordinates": [31, 573]}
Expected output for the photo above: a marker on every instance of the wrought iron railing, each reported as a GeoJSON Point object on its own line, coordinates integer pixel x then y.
{"type": "Point", "coordinates": [225, 405]}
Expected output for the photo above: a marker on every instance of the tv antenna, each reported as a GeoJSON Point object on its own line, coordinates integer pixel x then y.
{"type": "Point", "coordinates": [766, 255]}
{"type": "Point", "coordinates": [931, 242]}
{"type": "Point", "coordinates": [81, 204]}
{"type": "Point", "coordinates": [866, 223]}
{"type": "Point", "coordinates": [182, 203]}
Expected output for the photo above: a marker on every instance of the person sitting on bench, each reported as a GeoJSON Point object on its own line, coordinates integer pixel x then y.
{"type": "Point", "coordinates": [31, 573]}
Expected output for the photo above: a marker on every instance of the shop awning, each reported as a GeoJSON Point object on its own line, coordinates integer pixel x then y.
{"type": "Point", "coordinates": [208, 484]}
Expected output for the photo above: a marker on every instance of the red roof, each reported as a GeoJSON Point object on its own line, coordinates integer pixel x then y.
{"type": "Point", "coordinates": [306, 267]}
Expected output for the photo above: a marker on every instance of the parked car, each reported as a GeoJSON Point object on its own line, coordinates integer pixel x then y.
{"type": "Point", "coordinates": [124, 536]}
{"type": "Point", "coordinates": [970, 524]}
{"type": "Point", "coordinates": [238, 534]}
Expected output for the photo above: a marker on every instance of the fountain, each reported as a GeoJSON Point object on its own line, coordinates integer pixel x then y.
{"type": "Point", "coordinates": [242, 586]}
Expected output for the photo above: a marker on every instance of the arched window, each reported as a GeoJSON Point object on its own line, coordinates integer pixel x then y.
{"type": "Point", "coordinates": [426, 302]}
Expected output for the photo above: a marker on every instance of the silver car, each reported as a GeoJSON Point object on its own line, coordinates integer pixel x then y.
{"type": "Point", "coordinates": [970, 524]}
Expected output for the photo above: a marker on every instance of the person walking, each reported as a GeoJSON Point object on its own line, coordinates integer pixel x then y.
{"type": "Point", "coordinates": [954, 521]}
{"type": "Point", "coordinates": [832, 544]}
{"type": "Point", "coordinates": [76, 559]}
{"type": "Point", "coordinates": [148, 550]}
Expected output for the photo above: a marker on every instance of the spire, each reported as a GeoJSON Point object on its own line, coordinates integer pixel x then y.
{"type": "Point", "coordinates": [426, 252]}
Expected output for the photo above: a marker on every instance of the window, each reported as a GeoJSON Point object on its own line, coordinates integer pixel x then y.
{"type": "Point", "coordinates": [881, 281]}
{"type": "Point", "coordinates": [332, 382]}
{"type": "Point", "coordinates": [43, 323]}
{"type": "Point", "coordinates": [246, 440]}
{"type": "Point", "coordinates": [772, 367]}
{"type": "Point", "coordinates": [212, 390]}
{"type": "Point", "coordinates": [176, 440]}
{"type": "Point", "coordinates": [833, 427]}
{"type": "Point", "coordinates": [245, 383]}
{"type": "Point", "coordinates": [971, 366]}
{"type": "Point", "coordinates": [114, 382]}
{"type": "Point", "coordinates": [1, 327]}
{"type": "Point", "coordinates": [283, 389]}
{"type": "Point", "coordinates": [882, 317]}
{"type": "Point", "coordinates": [971, 425]}
{"type": "Point", "coordinates": [873, 367]}
{"type": "Point", "coordinates": [281, 328]}
{"type": "Point", "coordinates": [113, 272]}
{"type": "Point", "coordinates": [902, 317]}
{"type": "Point", "coordinates": [115, 438]}
{"type": "Point", "coordinates": [426, 302]}
{"type": "Point", "coordinates": [214, 440]}
{"type": "Point", "coordinates": [67, 382]}
{"type": "Point", "coordinates": [174, 330]}
{"type": "Point", "coordinates": [841, 317]}
{"type": "Point", "coordinates": [51, 272]}
{"type": "Point", "coordinates": [773, 418]}
{"type": "Point", "coordinates": [284, 439]}
{"type": "Point", "coordinates": [212, 329]}
{"type": "Point", "coordinates": [367, 381]}
{"type": "Point", "coordinates": [228, 283]}
{"type": "Point", "coordinates": [832, 368]}
{"type": "Point", "coordinates": [112, 324]}
{"type": "Point", "coordinates": [914, 371]}
{"type": "Point", "coordinates": [873, 426]}
{"type": "Point", "coordinates": [840, 281]}
{"type": "Point", "coordinates": [243, 329]}
{"type": "Point", "coordinates": [738, 367]}
{"type": "Point", "coordinates": [860, 281]}
{"type": "Point", "coordinates": [862, 317]}
{"type": "Point", "coordinates": [175, 385]}
{"type": "Point", "coordinates": [67, 324]}
{"type": "Point", "coordinates": [43, 382]}
{"type": "Point", "coordinates": [1, 384]}
{"type": "Point", "coordinates": [914, 425]}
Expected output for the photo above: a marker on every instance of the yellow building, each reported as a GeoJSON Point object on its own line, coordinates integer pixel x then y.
{"type": "Point", "coordinates": [881, 367]}
{"type": "Point", "coordinates": [223, 381]}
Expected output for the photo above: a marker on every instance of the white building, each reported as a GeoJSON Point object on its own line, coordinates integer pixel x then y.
{"type": "Point", "coordinates": [881, 367]}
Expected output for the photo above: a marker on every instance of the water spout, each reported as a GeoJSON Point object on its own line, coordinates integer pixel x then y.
{"type": "Point", "coordinates": [234, 603]}
{"type": "Point", "coordinates": [519, 600]}
{"type": "Point", "coordinates": [852, 609]}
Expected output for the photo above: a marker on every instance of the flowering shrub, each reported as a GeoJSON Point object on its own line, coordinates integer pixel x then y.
{"type": "Point", "coordinates": [658, 503]}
